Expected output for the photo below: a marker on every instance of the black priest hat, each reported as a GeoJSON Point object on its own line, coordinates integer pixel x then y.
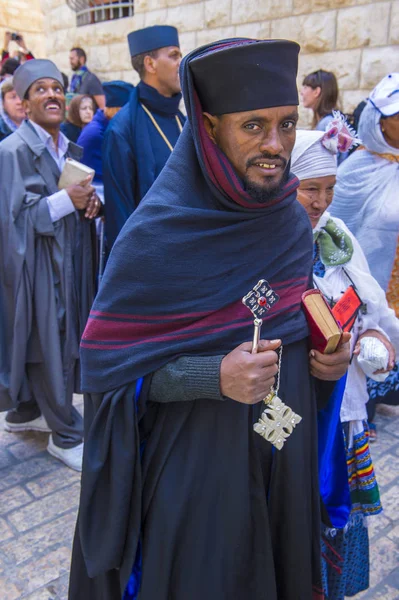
{"type": "Point", "coordinates": [253, 74]}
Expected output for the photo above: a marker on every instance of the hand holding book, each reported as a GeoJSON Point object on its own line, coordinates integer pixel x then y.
{"type": "Point", "coordinates": [330, 353]}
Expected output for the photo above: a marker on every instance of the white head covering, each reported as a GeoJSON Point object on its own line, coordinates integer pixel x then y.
{"type": "Point", "coordinates": [366, 195]}
{"type": "Point", "coordinates": [385, 95]}
{"type": "Point", "coordinates": [310, 158]}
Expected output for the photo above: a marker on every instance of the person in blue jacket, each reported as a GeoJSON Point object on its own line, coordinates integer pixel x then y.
{"type": "Point", "coordinates": [91, 139]}
{"type": "Point", "coordinates": [141, 137]}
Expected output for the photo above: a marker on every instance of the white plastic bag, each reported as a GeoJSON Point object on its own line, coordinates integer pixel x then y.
{"type": "Point", "coordinates": [373, 357]}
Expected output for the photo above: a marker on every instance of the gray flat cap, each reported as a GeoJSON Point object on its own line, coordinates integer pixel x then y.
{"type": "Point", "coordinates": [31, 71]}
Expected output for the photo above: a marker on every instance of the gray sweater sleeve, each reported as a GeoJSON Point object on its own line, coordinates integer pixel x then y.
{"type": "Point", "coordinates": [187, 378]}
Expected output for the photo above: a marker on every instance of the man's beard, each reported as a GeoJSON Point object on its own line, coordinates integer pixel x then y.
{"type": "Point", "coordinates": [262, 194]}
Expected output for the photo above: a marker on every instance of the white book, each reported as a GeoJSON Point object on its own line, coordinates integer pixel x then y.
{"type": "Point", "coordinates": [74, 173]}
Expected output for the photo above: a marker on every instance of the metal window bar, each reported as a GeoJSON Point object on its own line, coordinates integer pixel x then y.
{"type": "Point", "coordinates": [95, 11]}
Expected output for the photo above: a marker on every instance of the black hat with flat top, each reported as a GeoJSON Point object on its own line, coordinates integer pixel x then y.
{"type": "Point", "coordinates": [152, 38]}
{"type": "Point", "coordinates": [247, 76]}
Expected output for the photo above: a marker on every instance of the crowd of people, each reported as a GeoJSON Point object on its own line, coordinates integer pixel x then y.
{"type": "Point", "coordinates": [181, 498]}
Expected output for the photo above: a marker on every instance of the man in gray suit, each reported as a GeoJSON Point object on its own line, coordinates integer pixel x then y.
{"type": "Point", "coordinates": [46, 268]}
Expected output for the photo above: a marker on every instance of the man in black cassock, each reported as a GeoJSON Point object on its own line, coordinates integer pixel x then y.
{"type": "Point", "coordinates": [142, 136]}
{"type": "Point", "coordinates": [181, 498]}
{"type": "Point", "coordinates": [46, 268]}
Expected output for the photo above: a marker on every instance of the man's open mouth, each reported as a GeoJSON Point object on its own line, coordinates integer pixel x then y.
{"type": "Point", "coordinates": [53, 105]}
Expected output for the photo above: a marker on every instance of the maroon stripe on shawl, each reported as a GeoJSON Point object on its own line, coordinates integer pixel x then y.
{"type": "Point", "coordinates": [105, 330]}
{"type": "Point", "coordinates": [183, 316]}
{"type": "Point", "coordinates": [177, 336]}
{"type": "Point", "coordinates": [282, 286]}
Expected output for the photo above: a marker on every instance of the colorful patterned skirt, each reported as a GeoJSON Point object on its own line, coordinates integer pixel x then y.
{"type": "Point", "coordinates": [346, 565]}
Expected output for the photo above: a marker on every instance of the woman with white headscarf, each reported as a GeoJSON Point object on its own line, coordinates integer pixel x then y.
{"type": "Point", "coordinates": [342, 274]}
{"type": "Point", "coordinates": [366, 198]}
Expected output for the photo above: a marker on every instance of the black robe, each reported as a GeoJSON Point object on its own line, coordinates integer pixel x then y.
{"type": "Point", "coordinates": [224, 516]}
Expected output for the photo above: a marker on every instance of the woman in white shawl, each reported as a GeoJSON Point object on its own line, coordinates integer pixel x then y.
{"type": "Point", "coordinates": [366, 198]}
{"type": "Point", "coordinates": [340, 263]}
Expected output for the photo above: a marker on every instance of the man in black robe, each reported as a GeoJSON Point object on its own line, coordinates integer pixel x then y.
{"type": "Point", "coordinates": [181, 498]}
{"type": "Point", "coordinates": [142, 136]}
{"type": "Point", "coordinates": [46, 268]}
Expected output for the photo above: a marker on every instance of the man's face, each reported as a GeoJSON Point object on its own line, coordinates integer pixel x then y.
{"type": "Point", "coordinates": [75, 61]}
{"type": "Point", "coordinates": [258, 143]}
{"type": "Point", "coordinates": [46, 103]}
{"type": "Point", "coordinates": [166, 66]}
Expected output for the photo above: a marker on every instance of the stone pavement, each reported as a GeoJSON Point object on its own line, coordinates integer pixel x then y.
{"type": "Point", "coordinates": [39, 497]}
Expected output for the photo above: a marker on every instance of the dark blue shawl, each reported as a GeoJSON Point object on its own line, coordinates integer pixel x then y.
{"type": "Point", "coordinates": [194, 247]}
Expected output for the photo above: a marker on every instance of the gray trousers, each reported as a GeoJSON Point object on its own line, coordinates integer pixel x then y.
{"type": "Point", "coordinates": [64, 420]}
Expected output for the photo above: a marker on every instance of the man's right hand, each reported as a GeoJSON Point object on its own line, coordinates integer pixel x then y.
{"type": "Point", "coordinates": [247, 377]}
{"type": "Point", "coordinates": [7, 40]}
{"type": "Point", "coordinates": [80, 194]}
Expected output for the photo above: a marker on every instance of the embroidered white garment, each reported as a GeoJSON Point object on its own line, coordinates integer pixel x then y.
{"type": "Point", "coordinates": [379, 316]}
{"type": "Point", "coordinates": [366, 197]}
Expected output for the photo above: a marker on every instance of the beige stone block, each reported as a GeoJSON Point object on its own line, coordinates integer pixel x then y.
{"type": "Point", "coordinates": [363, 26]}
{"type": "Point", "coordinates": [130, 76]}
{"type": "Point", "coordinates": [179, 2]}
{"type": "Point", "coordinates": [188, 41]}
{"type": "Point", "coordinates": [377, 524]}
{"type": "Point", "coordinates": [40, 572]}
{"type": "Point", "coordinates": [10, 591]}
{"type": "Point", "coordinates": [305, 118]}
{"type": "Point", "coordinates": [13, 498]}
{"type": "Point", "coordinates": [217, 13]}
{"type": "Point", "coordinates": [61, 478]}
{"type": "Point", "coordinates": [22, 450]}
{"type": "Point", "coordinates": [351, 98]}
{"type": "Point", "coordinates": [246, 11]}
{"type": "Point", "coordinates": [394, 25]}
{"type": "Point", "coordinates": [314, 33]}
{"type": "Point", "coordinates": [257, 31]}
{"type": "Point", "coordinates": [111, 32]}
{"type": "Point", "coordinates": [45, 509]}
{"type": "Point", "coordinates": [376, 63]}
{"type": "Point", "coordinates": [155, 17]}
{"type": "Point", "coordinates": [385, 592]}
{"type": "Point", "coordinates": [390, 500]}
{"type": "Point", "coordinates": [138, 21]}
{"type": "Point", "coordinates": [147, 5]}
{"type": "Point", "coordinates": [62, 17]}
{"type": "Point", "coordinates": [384, 558]}
{"type": "Point", "coordinates": [98, 59]}
{"type": "Point", "coordinates": [190, 17]}
{"type": "Point", "coordinates": [18, 474]}
{"type": "Point", "coordinates": [345, 64]}
{"type": "Point", "coordinates": [119, 57]}
{"type": "Point", "coordinates": [310, 6]}
{"type": "Point", "coordinates": [60, 41]}
{"type": "Point", "coordinates": [5, 531]}
{"type": "Point", "coordinates": [40, 539]}
{"type": "Point", "coordinates": [208, 36]}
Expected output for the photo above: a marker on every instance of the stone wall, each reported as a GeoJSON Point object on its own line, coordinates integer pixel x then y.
{"type": "Point", "coordinates": [27, 18]}
{"type": "Point", "coordinates": [357, 39]}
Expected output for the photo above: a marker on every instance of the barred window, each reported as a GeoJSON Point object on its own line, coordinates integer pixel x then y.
{"type": "Point", "coordinates": [95, 11]}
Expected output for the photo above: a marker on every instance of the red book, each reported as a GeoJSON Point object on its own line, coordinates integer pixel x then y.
{"type": "Point", "coordinates": [325, 333]}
